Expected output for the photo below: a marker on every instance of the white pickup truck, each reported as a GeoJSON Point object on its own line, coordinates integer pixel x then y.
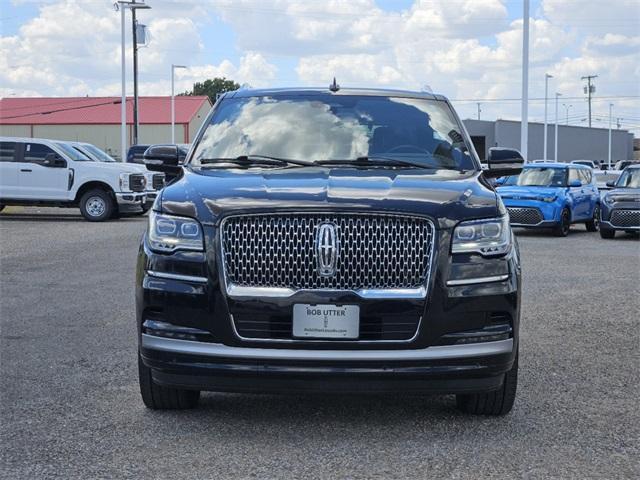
{"type": "Point", "coordinates": [44, 172]}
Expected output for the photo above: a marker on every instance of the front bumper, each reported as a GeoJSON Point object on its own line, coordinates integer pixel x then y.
{"type": "Point", "coordinates": [548, 213]}
{"type": "Point", "coordinates": [218, 367]}
{"type": "Point", "coordinates": [131, 201]}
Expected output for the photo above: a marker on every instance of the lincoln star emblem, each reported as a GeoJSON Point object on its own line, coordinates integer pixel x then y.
{"type": "Point", "coordinates": [327, 249]}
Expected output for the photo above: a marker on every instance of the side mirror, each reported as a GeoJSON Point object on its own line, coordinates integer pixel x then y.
{"type": "Point", "coordinates": [575, 183]}
{"type": "Point", "coordinates": [611, 184]}
{"type": "Point", "coordinates": [503, 162]}
{"type": "Point", "coordinates": [501, 180]}
{"type": "Point", "coordinates": [162, 158]}
{"type": "Point", "coordinates": [54, 160]}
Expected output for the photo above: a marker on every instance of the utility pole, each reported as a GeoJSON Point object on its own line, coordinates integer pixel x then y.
{"type": "Point", "coordinates": [589, 90]}
{"type": "Point", "coordinates": [123, 107]}
{"type": "Point", "coordinates": [546, 94]}
{"type": "Point", "coordinates": [524, 124]}
{"type": "Point", "coordinates": [610, 118]}
{"type": "Point", "coordinates": [618, 120]}
{"type": "Point", "coordinates": [134, 23]}
{"type": "Point", "coordinates": [567, 107]}
{"type": "Point", "coordinates": [555, 147]}
{"type": "Point", "coordinates": [173, 103]}
{"type": "Point", "coordinates": [479, 110]}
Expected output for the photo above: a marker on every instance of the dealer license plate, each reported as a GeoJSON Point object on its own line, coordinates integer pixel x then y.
{"type": "Point", "coordinates": [326, 321]}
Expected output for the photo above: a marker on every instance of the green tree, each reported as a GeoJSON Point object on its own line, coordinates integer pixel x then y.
{"type": "Point", "coordinates": [213, 87]}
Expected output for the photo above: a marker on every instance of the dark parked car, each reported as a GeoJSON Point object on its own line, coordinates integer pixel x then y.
{"type": "Point", "coordinates": [330, 240]}
{"type": "Point", "coordinates": [621, 205]}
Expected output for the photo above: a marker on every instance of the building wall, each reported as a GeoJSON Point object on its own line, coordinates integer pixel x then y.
{"type": "Point", "coordinates": [15, 130]}
{"type": "Point", "coordinates": [574, 143]}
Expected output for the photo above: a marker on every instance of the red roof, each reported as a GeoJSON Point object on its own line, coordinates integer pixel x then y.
{"type": "Point", "coordinates": [95, 110]}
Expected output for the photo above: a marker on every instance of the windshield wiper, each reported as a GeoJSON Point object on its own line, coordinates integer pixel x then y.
{"type": "Point", "coordinates": [376, 160]}
{"type": "Point", "coordinates": [254, 160]}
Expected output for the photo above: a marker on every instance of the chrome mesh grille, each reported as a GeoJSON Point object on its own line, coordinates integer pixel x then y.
{"type": "Point", "coordinates": [625, 218]}
{"type": "Point", "coordinates": [524, 216]}
{"type": "Point", "coordinates": [374, 251]}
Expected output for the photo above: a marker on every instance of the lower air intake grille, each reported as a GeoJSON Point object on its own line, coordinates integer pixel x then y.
{"type": "Point", "coordinates": [625, 218]}
{"type": "Point", "coordinates": [524, 216]}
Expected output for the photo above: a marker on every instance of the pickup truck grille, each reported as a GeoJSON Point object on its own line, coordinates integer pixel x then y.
{"type": "Point", "coordinates": [625, 218]}
{"type": "Point", "coordinates": [158, 181]}
{"type": "Point", "coordinates": [137, 182]}
{"type": "Point", "coordinates": [524, 216]}
{"type": "Point", "coordinates": [374, 251]}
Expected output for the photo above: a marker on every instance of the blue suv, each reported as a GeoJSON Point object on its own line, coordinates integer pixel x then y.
{"type": "Point", "coordinates": [552, 195]}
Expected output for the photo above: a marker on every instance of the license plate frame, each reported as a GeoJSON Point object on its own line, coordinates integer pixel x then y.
{"type": "Point", "coordinates": [326, 322]}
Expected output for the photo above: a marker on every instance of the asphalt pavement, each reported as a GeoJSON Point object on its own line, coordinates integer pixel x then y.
{"type": "Point", "coordinates": [71, 408]}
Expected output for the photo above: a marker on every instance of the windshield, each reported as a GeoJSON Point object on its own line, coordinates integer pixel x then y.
{"type": "Point", "coordinates": [629, 179]}
{"type": "Point", "coordinates": [336, 127]}
{"type": "Point", "coordinates": [73, 153]}
{"type": "Point", "coordinates": [543, 177]}
{"type": "Point", "coordinates": [98, 154]}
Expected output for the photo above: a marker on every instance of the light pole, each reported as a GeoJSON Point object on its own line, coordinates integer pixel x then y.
{"type": "Point", "coordinates": [524, 125]}
{"type": "Point", "coordinates": [555, 147]}
{"type": "Point", "coordinates": [173, 102]}
{"type": "Point", "coordinates": [610, 118]}
{"type": "Point", "coordinates": [546, 94]}
{"type": "Point", "coordinates": [122, 5]}
{"type": "Point", "coordinates": [567, 107]}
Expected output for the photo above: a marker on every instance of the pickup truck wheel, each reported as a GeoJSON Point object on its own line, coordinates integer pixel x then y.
{"type": "Point", "coordinates": [562, 229]}
{"type": "Point", "coordinates": [96, 205]}
{"type": "Point", "coordinates": [593, 225]}
{"type": "Point", "coordinates": [498, 402]}
{"type": "Point", "coordinates": [607, 233]}
{"type": "Point", "coordinates": [158, 397]}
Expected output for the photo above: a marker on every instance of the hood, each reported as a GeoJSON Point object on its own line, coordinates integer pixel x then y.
{"type": "Point", "coordinates": [119, 167]}
{"type": "Point", "coordinates": [527, 193]}
{"type": "Point", "coordinates": [444, 195]}
{"type": "Point", "coordinates": [624, 195]}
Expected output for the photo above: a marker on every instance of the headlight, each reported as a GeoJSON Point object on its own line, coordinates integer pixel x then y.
{"type": "Point", "coordinates": [490, 236]}
{"type": "Point", "coordinates": [169, 234]}
{"type": "Point", "coordinates": [609, 200]}
{"type": "Point", "coordinates": [549, 199]}
{"type": "Point", "coordinates": [124, 181]}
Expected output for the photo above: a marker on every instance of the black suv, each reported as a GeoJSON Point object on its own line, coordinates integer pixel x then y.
{"type": "Point", "coordinates": [329, 240]}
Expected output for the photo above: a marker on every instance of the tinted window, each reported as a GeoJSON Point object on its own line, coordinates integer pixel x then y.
{"type": "Point", "coordinates": [339, 127]}
{"type": "Point", "coordinates": [7, 151]}
{"type": "Point", "coordinates": [543, 177]}
{"type": "Point", "coordinates": [36, 152]}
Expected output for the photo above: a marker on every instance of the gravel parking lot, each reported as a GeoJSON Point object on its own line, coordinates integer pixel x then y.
{"type": "Point", "coordinates": [71, 407]}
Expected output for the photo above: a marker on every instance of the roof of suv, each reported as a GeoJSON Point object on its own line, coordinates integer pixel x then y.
{"type": "Point", "coordinates": [374, 92]}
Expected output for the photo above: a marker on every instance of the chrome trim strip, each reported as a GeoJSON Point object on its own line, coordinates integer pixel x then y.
{"type": "Point", "coordinates": [474, 281]}
{"type": "Point", "coordinates": [176, 276]}
{"type": "Point", "coordinates": [236, 291]}
{"type": "Point", "coordinates": [302, 341]}
{"type": "Point", "coordinates": [206, 349]}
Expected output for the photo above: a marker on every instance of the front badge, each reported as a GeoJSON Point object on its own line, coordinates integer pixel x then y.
{"type": "Point", "coordinates": [327, 249]}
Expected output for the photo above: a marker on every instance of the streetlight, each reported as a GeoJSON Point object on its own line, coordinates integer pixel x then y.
{"type": "Point", "coordinates": [567, 107]}
{"type": "Point", "coordinates": [173, 102]}
{"type": "Point", "coordinates": [546, 93]}
{"type": "Point", "coordinates": [555, 152]}
{"type": "Point", "coordinates": [610, 117]}
{"type": "Point", "coordinates": [122, 5]}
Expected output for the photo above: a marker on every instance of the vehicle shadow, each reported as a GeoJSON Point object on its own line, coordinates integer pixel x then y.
{"type": "Point", "coordinates": [544, 232]}
{"type": "Point", "coordinates": [44, 217]}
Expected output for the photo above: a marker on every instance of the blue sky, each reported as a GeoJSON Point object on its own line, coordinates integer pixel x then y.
{"type": "Point", "coordinates": [467, 49]}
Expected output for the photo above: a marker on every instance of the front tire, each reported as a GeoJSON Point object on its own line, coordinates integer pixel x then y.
{"type": "Point", "coordinates": [562, 229]}
{"type": "Point", "coordinates": [158, 397]}
{"type": "Point", "coordinates": [593, 225]}
{"type": "Point", "coordinates": [498, 402]}
{"type": "Point", "coordinates": [97, 205]}
{"type": "Point", "coordinates": [607, 233]}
